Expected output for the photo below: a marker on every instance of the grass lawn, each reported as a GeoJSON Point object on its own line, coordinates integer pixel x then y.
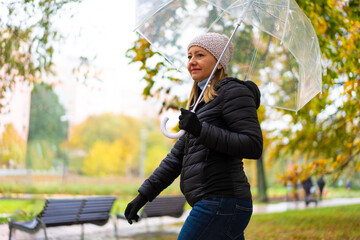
{"type": "Point", "coordinates": [19, 209]}
{"type": "Point", "coordinates": [338, 223]}
{"type": "Point", "coordinates": [78, 185]}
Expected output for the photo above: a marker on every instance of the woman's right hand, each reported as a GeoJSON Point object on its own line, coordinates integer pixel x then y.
{"type": "Point", "coordinates": [133, 207]}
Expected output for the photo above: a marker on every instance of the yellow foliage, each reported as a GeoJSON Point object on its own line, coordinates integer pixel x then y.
{"type": "Point", "coordinates": [340, 159]}
{"type": "Point", "coordinates": [321, 25]}
{"type": "Point", "coordinates": [12, 147]}
{"type": "Point", "coordinates": [107, 159]}
{"type": "Point", "coordinates": [154, 156]}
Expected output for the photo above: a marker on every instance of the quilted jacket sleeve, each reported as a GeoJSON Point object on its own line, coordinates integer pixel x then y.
{"type": "Point", "coordinates": [243, 136]}
{"type": "Point", "coordinates": [168, 170]}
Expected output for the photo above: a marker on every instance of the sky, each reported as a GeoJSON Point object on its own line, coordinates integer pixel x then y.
{"type": "Point", "coordinates": [104, 29]}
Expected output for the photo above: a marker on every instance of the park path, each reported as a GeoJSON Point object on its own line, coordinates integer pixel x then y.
{"type": "Point", "coordinates": [147, 229]}
{"type": "Point", "coordinates": [298, 205]}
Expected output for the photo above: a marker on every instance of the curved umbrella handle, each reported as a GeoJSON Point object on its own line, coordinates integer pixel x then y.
{"type": "Point", "coordinates": [168, 134]}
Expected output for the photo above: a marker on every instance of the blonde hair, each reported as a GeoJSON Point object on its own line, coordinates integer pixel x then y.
{"type": "Point", "coordinates": [210, 92]}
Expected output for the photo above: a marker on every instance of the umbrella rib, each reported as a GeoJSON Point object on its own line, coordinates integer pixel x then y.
{"type": "Point", "coordinates": [286, 23]}
{"type": "Point", "coordinates": [222, 9]}
{"type": "Point", "coordinates": [159, 9]}
{"type": "Point", "coordinates": [271, 14]}
{"type": "Point", "coordinates": [216, 20]}
{"type": "Point", "coordinates": [273, 5]}
{"type": "Point", "coordinates": [312, 44]}
{"type": "Point", "coordinates": [240, 5]}
{"type": "Point", "coordinates": [256, 13]}
{"type": "Point", "coordinates": [253, 59]}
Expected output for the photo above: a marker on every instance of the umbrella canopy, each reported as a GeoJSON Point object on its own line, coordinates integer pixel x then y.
{"type": "Point", "coordinates": [277, 46]}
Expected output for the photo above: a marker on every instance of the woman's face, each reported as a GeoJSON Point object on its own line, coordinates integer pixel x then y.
{"type": "Point", "coordinates": [200, 63]}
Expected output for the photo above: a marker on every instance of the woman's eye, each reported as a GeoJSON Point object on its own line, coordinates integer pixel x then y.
{"type": "Point", "coordinates": [200, 55]}
{"type": "Point", "coordinates": [189, 57]}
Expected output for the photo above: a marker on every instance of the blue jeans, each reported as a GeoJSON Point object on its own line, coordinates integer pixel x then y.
{"type": "Point", "coordinates": [217, 218]}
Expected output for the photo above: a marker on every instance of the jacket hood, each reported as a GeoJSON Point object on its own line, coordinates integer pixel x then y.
{"type": "Point", "coordinates": [249, 84]}
{"type": "Point", "coordinates": [255, 90]}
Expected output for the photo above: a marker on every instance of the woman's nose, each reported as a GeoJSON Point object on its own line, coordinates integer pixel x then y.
{"type": "Point", "coordinates": [191, 60]}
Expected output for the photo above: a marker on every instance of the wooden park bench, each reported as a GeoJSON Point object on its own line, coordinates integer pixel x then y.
{"type": "Point", "coordinates": [172, 206]}
{"type": "Point", "coordinates": [62, 212]}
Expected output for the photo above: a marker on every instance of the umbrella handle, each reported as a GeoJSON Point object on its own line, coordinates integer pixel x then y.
{"type": "Point", "coordinates": [168, 134]}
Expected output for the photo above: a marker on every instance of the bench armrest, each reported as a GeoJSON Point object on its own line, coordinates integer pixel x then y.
{"type": "Point", "coordinates": [120, 216]}
{"type": "Point", "coordinates": [16, 214]}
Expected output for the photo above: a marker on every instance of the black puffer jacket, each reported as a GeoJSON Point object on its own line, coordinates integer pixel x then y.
{"type": "Point", "coordinates": [211, 165]}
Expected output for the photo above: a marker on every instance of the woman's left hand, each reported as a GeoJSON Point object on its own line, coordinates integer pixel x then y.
{"type": "Point", "coordinates": [189, 122]}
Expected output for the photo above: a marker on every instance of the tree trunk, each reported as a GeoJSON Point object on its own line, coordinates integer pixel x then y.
{"type": "Point", "coordinates": [261, 180]}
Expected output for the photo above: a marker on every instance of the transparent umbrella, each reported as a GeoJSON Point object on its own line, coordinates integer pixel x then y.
{"type": "Point", "coordinates": [275, 44]}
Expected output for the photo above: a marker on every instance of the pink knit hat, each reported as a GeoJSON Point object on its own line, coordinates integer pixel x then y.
{"type": "Point", "coordinates": [215, 44]}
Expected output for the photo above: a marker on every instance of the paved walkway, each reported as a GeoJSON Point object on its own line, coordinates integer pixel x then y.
{"type": "Point", "coordinates": [149, 228]}
{"type": "Point", "coordinates": [285, 206]}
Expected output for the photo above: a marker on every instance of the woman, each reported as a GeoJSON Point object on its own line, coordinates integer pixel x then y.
{"type": "Point", "coordinates": [224, 130]}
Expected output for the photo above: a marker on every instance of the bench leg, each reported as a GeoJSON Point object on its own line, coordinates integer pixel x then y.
{"type": "Point", "coordinates": [161, 224]}
{"type": "Point", "coordinates": [113, 218]}
{"type": "Point", "coordinates": [147, 225]}
{"type": "Point", "coordinates": [82, 232]}
{"type": "Point", "coordinates": [43, 225]}
{"type": "Point", "coordinates": [10, 232]}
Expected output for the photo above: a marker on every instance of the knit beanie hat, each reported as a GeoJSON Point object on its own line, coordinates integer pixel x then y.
{"type": "Point", "coordinates": [215, 44]}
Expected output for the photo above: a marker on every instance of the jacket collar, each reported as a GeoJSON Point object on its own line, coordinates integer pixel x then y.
{"type": "Point", "coordinates": [224, 81]}
{"type": "Point", "coordinates": [249, 84]}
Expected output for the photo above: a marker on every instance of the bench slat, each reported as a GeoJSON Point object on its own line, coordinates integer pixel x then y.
{"type": "Point", "coordinates": [94, 216]}
{"type": "Point", "coordinates": [67, 219]}
{"type": "Point", "coordinates": [86, 211]}
{"type": "Point", "coordinates": [60, 212]}
{"type": "Point", "coordinates": [165, 206]}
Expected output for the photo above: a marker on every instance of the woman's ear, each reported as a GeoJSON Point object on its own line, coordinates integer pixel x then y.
{"type": "Point", "coordinates": [219, 67]}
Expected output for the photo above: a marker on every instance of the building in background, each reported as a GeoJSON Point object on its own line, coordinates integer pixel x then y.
{"type": "Point", "coordinates": [17, 110]}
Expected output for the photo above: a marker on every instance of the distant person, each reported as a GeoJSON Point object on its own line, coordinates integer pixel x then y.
{"type": "Point", "coordinates": [308, 186]}
{"type": "Point", "coordinates": [289, 187]}
{"type": "Point", "coordinates": [348, 185]}
{"type": "Point", "coordinates": [321, 185]}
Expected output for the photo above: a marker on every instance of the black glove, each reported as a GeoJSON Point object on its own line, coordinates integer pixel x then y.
{"type": "Point", "coordinates": [133, 207]}
{"type": "Point", "coordinates": [189, 122]}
